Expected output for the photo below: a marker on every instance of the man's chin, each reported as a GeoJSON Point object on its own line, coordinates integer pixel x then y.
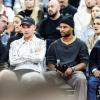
{"type": "Point", "coordinates": [90, 7]}
{"type": "Point", "coordinates": [65, 35]}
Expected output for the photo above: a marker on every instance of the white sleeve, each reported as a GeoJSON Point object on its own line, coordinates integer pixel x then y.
{"type": "Point", "coordinates": [39, 55]}
{"type": "Point", "coordinates": [14, 58]}
{"type": "Point", "coordinates": [77, 27]}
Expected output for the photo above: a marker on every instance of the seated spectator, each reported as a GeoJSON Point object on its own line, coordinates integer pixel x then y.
{"type": "Point", "coordinates": [94, 64]}
{"type": "Point", "coordinates": [3, 26]}
{"type": "Point", "coordinates": [27, 54]}
{"type": "Point", "coordinates": [66, 8]}
{"type": "Point", "coordinates": [3, 40]}
{"type": "Point", "coordinates": [17, 29]}
{"type": "Point", "coordinates": [49, 27]}
{"type": "Point", "coordinates": [31, 10]}
{"type": "Point", "coordinates": [91, 36]}
{"type": "Point", "coordinates": [67, 57]}
{"type": "Point", "coordinates": [15, 35]}
{"type": "Point", "coordinates": [83, 17]}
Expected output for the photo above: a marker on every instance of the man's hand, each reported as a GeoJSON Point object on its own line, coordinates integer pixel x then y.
{"type": "Point", "coordinates": [97, 73]}
{"type": "Point", "coordinates": [68, 72]}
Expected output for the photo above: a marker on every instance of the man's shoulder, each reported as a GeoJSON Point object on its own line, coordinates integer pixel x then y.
{"type": "Point", "coordinates": [56, 42]}
{"type": "Point", "coordinates": [79, 41]}
{"type": "Point", "coordinates": [16, 42]}
{"type": "Point", "coordinates": [40, 40]}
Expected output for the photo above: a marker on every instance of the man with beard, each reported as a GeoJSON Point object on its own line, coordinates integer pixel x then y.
{"type": "Point", "coordinates": [3, 39]}
{"type": "Point", "coordinates": [66, 8]}
{"type": "Point", "coordinates": [49, 27]}
{"type": "Point", "coordinates": [82, 18]}
{"type": "Point", "coordinates": [67, 57]}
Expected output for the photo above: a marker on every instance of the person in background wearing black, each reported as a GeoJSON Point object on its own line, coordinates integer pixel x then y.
{"type": "Point", "coordinates": [74, 3]}
{"type": "Point", "coordinates": [66, 8]}
{"type": "Point", "coordinates": [49, 27]}
{"type": "Point", "coordinates": [33, 10]}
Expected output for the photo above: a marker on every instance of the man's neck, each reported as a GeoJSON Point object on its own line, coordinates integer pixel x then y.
{"type": "Point", "coordinates": [56, 17]}
{"type": "Point", "coordinates": [28, 38]}
{"type": "Point", "coordinates": [88, 10]}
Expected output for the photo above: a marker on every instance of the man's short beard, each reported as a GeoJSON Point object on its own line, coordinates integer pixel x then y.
{"type": "Point", "coordinates": [66, 35]}
{"type": "Point", "coordinates": [90, 7]}
{"type": "Point", "coordinates": [52, 15]}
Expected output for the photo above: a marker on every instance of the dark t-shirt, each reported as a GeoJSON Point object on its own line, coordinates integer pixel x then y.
{"type": "Point", "coordinates": [49, 30]}
{"type": "Point", "coordinates": [69, 10]}
{"type": "Point", "coordinates": [70, 55]}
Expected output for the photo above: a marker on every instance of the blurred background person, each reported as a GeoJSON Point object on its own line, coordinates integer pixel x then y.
{"type": "Point", "coordinates": [66, 8]}
{"type": "Point", "coordinates": [92, 37]}
{"type": "Point", "coordinates": [31, 10]}
{"type": "Point", "coordinates": [74, 3]}
{"type": "Point", "coordinates": [17, 34]}
{"type": "Point", "coordinates": [8, 85]}
{"type": "Point", "coordinates": [49, 27]}
{"type": "Point", "coordinates": [83, 17]}
{"type": "Point", "coordinates": [94, 63]}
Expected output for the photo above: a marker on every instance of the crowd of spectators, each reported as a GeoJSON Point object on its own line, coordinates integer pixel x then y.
{"type": "Point", "coordinates": [47, 43]}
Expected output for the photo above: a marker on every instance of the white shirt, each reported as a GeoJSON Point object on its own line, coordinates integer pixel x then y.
{"type": "Point", "coordinates": [82, 20]}
{"type": "Point", "coordinates": [27, 54]}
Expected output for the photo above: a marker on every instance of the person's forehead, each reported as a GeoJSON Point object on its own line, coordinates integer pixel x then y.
{"type": "Point", "coordinates": [54, 3]}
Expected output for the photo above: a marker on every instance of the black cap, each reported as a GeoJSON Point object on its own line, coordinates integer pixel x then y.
{"type": "Point", "coordinates": [68, 20]}
{"type": "Point", "coordinates": [28, 21]}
